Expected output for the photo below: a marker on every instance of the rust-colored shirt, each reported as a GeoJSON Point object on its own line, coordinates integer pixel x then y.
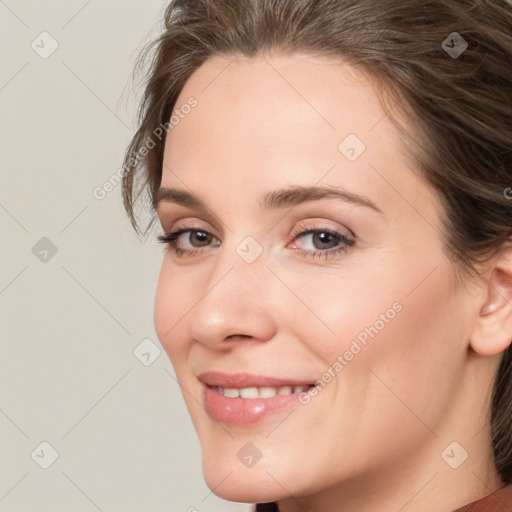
{"type": "Point", "coordinates": [498, 501]}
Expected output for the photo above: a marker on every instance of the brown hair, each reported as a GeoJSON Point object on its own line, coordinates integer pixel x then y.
{"type": "Point", "coordinates": [459, 105]}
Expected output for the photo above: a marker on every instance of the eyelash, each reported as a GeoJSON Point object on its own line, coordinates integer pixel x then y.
{"type": "Point", "coordinates": [346, 242]}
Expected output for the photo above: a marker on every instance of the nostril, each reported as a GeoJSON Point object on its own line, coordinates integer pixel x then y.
{"type": "Point", "coordinates": [234, 337]}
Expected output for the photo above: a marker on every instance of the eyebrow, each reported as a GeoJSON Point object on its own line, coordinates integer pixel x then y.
{"type": "Point", "coordinates": [277, 199]}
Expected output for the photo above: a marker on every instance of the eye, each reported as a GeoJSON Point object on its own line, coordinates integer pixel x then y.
{"type": "Point", "coordinates": [320, 242]}
{"type": "Point", "coordinates": [196, 238]}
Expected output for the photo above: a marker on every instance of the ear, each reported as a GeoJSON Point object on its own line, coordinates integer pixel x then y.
{"type": "Point", "coordinates": [492, 331]}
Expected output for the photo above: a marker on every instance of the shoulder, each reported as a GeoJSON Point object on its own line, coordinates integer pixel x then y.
{"type": "Point", "coordinates": [498, 501]}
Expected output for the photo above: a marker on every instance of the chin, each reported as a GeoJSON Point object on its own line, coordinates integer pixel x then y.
{"type": "Point", "coordinates": [266, 481]}
{"type": "Point", "coordinates": [244, 485]}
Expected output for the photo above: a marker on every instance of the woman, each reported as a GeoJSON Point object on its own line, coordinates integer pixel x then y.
{"type": "Point", "coordinates": [333, 179]}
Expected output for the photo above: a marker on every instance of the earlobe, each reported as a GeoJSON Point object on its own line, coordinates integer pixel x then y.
{"type": "Point", "coordinates": [492, 331]}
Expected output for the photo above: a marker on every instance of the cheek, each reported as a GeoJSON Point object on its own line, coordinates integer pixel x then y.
{"type": "Point", "coordinates": [391, 322]}
{"type": "Point", "coordinates": [171, 300]}
{"type": "Point", "coordinates": [397, 296]}
{"type": "Point", "coordinates": [415, 360]}
{"type": "Point", "coordinates": [341, 305]}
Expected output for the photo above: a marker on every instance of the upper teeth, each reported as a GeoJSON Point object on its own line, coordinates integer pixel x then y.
{"type": "Point", "coordinates": [261, 392]}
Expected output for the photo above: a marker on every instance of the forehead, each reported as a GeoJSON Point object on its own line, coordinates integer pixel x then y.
{"type": "Point", "coordinates": [283, 98]}
{"type": "Point", "coordinates": [265, 122]}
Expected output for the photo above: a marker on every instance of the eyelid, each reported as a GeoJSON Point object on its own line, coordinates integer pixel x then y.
{"type": "Point", "coordinates": [185, 224]}
{"type": "Point", "coordinates": [303, 228]}
{"type": "Point", "coordinates": [299, 229]}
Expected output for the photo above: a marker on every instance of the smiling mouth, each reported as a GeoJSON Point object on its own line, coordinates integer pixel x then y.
{"type": "Point", "coordinates": [245, 399]}
{"type": "Point", "coordinates": [261, 391]}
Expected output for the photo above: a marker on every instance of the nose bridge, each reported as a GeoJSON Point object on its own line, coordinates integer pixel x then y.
{"type": "Point", "coordinates": [241, 265]}
{"type": "Point", "coordinates": [235, 299]}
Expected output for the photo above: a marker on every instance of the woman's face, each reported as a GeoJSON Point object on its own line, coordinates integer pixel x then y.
{"type": "Point", "coordinates": [310, 253]}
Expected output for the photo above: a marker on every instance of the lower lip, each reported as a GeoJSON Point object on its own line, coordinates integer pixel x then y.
{"type": "Point", "coordinates": [244, 411]}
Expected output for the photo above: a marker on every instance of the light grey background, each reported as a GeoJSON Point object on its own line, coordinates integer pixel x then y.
{"type": "Point", "coordinates": [70, 322]}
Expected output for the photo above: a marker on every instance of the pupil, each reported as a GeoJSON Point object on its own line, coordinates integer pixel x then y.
{"type": "Point", "coordinates": [323, 238]}
{"type": "Point", "coordinates": [201, 236]}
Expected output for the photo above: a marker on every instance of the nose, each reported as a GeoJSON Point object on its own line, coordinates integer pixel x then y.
{"type": "Point", "coordinates": [235, 304]}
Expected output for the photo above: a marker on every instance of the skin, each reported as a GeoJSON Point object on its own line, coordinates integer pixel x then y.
{"type": "Point", "coordinates": [372, 439]}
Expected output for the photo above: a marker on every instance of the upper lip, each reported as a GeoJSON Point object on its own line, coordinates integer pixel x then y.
{"type": "Point", "coordinates": [247, 380]}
